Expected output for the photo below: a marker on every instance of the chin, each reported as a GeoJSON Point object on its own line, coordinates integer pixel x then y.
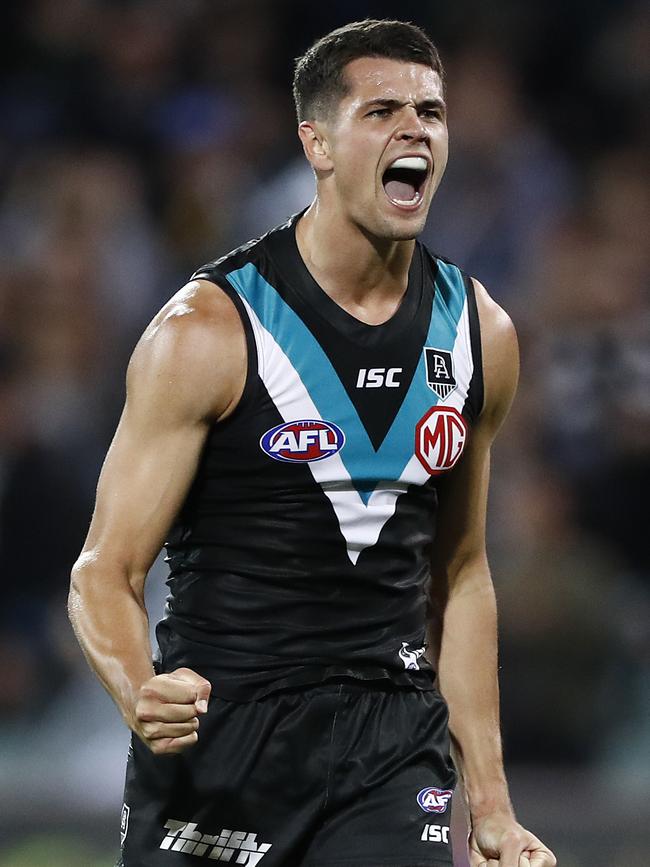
{"type": "Point", "coordinates": [403, 229]}
{"type": "Point", "coordinates": [384, 226]}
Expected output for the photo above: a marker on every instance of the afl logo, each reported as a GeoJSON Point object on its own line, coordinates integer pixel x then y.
{"type": "Point", "coordinates": [440, 438]}
{"type": "Point", "coordinates": [434, 800]}
{"type": "Point", "coordinates": [301, 441]}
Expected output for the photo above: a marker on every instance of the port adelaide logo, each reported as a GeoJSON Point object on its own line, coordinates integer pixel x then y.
{"type": "Point", "coordinates": [433, 800]}
{"type": "Point", "coordinates": [440, 371]}
{"type": "Point", "coordinates": [303, 441]}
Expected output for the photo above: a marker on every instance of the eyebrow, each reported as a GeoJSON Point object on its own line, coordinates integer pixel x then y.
{"type": "Point", "coordinates": [397, 103]}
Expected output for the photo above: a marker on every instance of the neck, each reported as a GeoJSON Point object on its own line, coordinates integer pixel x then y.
{"type": "Point", "coordinates": [354, 268]}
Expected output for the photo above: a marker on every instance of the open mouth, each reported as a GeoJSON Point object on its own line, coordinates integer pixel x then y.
{"type": "Point", "coordinates": [404, 181]}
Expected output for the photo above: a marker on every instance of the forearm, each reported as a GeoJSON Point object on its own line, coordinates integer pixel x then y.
{"type": "Point", "coordinates": [467, 671]}
{"type": "Point", "coordinates": [112, 627]}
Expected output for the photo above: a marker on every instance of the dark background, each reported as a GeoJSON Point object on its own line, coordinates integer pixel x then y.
{"type": "Point", "coordinates": [139, 139]}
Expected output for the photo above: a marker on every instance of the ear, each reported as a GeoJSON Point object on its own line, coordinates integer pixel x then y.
{"type": "Point", "coordinates": [315, 145]}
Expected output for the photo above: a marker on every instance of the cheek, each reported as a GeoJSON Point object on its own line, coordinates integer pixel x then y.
{"type": "Point", "coordinates": [353, 170]}
{"type": "Point", "coordinates": [443, 145]}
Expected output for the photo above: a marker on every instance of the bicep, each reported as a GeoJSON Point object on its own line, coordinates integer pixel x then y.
{"type": "Point", "coordinates": [145, 478]}
{"type": "Point", "coordinates": [462, 507]}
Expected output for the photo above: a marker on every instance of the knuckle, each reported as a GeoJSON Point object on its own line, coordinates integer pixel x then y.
{"type": "Point", "coordinates": [156, 747]}
{"type": "Point", "coordinates": [148, 690]}
{"type": "Point", "coordinates": [144, 714]}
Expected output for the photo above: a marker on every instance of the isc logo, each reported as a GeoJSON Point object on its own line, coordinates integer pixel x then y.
{"type": "Point", "coordinates": [435, 834]}
{"type": "Point", "coordinates": [440, 437]}
{"type": "Point", "coordinates": [433, 800]}
{"type": "Point", "coordinates": [303, 440]}
{"type": "Point", "coordinates": [375, 377]}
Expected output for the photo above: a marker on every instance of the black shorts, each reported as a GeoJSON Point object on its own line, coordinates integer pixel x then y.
{"type": "Point", "coordinates": [338, 774]}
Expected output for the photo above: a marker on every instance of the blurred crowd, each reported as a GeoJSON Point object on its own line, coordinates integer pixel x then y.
{"type": "Point", "coordinates": [140, 138]}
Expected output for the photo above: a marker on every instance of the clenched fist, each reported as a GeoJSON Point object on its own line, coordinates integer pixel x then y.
{"type": "Point", "coordinates": [167, 710]}
{"type": "Point", "coordinates": [498, 840]}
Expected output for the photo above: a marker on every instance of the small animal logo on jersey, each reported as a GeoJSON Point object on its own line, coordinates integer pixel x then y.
{"type": "Point", "coordinates": [184, 837]}
{"type": "Point", "coordinates": [410, 657]}
{"type": "Point", "coordinates": [303, 441]}
{"type": "Point", "coordinates": [440, 371]}
{"type": "Point", "coordinates": [434, 800]}
{"type": "Point", "coordinates": [440, 438]}
{"type": "Point", "coordinates": [124, 823]}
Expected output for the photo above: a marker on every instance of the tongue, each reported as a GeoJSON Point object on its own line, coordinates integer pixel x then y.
{"type": "Point", "coordinates": [400, 191]}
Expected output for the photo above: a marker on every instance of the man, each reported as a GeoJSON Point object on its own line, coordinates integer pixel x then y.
{"type": "Point", "coordinates": [298, 419]}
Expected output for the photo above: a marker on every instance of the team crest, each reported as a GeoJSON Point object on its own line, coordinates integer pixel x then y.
{"type": "Point", "coordinates": [440, 371]}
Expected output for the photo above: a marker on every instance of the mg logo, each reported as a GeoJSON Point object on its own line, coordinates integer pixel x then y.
{"type": "Point", "coordinates": [440, 438]}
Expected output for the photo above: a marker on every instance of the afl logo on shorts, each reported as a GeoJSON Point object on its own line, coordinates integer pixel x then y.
{"type": "Point", "coordinates": [440, 438]}
{"type": "Point", "coordinates": [303, 441]}
{"type": "Point", "coordinates": [434, 800]}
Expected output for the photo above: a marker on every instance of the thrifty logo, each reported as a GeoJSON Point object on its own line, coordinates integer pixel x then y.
{"type": "Point", "coordinates": [238, 847]}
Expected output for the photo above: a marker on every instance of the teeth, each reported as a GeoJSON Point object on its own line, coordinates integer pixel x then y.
{"type": "Point", "coordinates": [410, 201]}
{"type": "Point", "coordinates": [418, 163]}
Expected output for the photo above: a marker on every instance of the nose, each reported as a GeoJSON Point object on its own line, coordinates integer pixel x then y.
{"type": "Point", "coordinates": [411, 127]}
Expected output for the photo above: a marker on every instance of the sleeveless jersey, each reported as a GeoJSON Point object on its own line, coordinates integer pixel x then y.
{"type": "Point", "coordinates": [302, 551]}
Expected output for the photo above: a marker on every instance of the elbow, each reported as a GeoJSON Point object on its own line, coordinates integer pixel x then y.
{"type": "Point", "coordinates": [94, 580]}
{"type": "Point", "coordinates": [79, 577]}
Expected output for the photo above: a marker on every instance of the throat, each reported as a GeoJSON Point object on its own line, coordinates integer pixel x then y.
{"type": "Point", "coordinates": [364, 275]}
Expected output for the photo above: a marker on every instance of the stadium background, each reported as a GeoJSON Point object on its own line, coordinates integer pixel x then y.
{"type": "Point", "coordinates": [139, 139]}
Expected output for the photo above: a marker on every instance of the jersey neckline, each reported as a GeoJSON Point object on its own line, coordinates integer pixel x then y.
{"type": "Point", "coordinates": [312, 293]}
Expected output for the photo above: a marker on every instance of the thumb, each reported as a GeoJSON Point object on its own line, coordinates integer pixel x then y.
{"type": "Point", "coordinates": [203, 691]}
{"type": "Point", "coordinates": [202, 687]}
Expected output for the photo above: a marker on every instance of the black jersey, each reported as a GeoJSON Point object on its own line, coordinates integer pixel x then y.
{"type": "Point", "coordinates": [302, 551]}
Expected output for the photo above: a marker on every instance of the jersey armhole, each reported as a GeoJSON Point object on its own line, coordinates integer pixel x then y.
{"type": "Point", "coordinates": [476, 392]}
{"type": "Point", "coordinates": [251, 346]}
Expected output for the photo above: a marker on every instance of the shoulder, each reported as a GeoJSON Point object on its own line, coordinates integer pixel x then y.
{"type": "Point", "coordinates": [500, 352]}
{"type": "Point", "coordinates": [194, 350]}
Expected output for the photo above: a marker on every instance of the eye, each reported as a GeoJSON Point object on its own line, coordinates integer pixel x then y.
{"type": "Point", "coordinates": [431, 113]}
{"type": "Point", "coordinates": [379, 112]}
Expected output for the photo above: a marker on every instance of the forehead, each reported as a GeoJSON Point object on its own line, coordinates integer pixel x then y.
{"type": "Point", "coordinates": [383, 78]}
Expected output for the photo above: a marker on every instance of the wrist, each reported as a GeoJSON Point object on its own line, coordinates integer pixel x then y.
{"type": "Point", "coordinates": [487, 800]}
{"type": "Point", "coordinates": [128, 697]}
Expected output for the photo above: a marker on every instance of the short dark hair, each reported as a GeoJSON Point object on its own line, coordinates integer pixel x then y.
{"type": "Point", "coordinates": [319, 80]}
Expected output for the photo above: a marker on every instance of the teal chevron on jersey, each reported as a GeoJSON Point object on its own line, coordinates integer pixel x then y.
{"type": "Point", "coordinates": [314, 369]}
{"type": "Point", "coordinates": [448, 303]}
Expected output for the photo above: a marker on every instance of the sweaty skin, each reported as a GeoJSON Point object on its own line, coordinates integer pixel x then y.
{"type": "Point", "coordinates": [188, 371]}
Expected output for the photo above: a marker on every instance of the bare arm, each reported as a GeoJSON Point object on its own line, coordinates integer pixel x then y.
{"type": "Point", "coordinates": [187, 371]}
{"type": "Point", "coordinates": [465, 626]}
